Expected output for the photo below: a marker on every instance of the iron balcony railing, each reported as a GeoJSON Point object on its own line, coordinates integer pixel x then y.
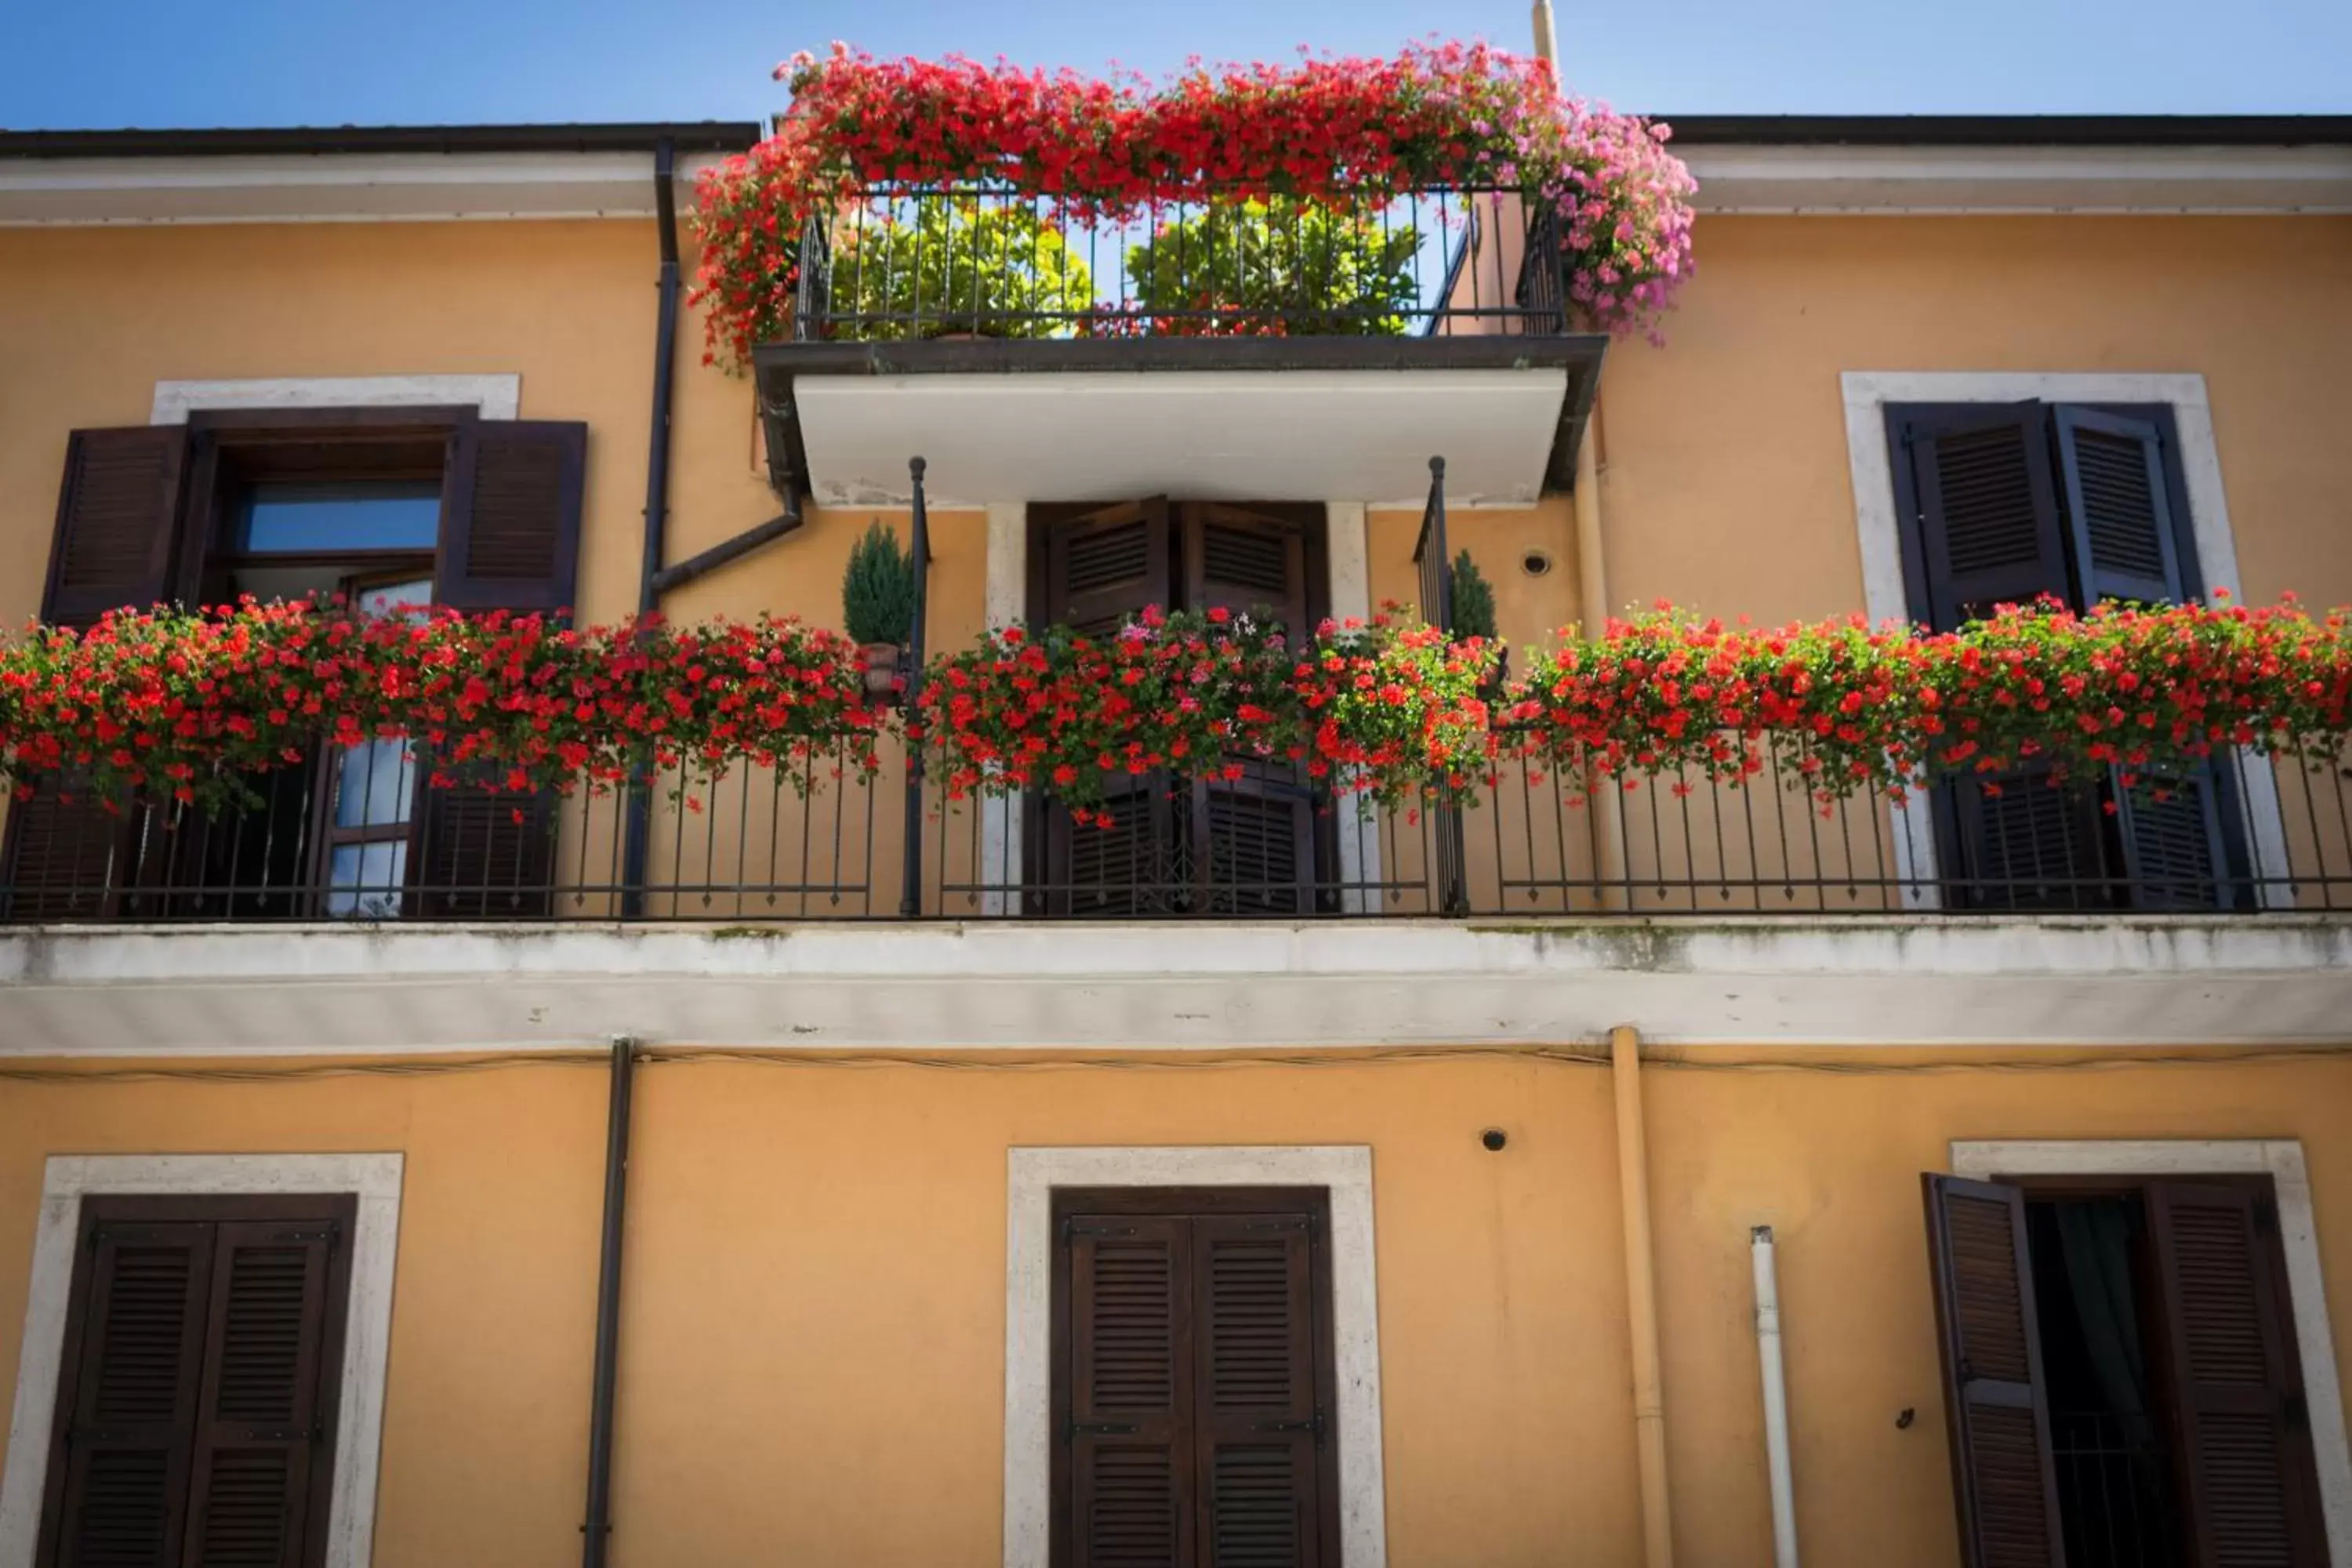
{"type": "Point", "coordinates": [825, 839]}
{"type": "Point", "coordinates": [926, 261]}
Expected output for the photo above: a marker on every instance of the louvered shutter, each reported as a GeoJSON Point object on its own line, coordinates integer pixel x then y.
{"type": "Point", "coordinates": [510, 507]}
{"type": "Point", "coordinates": [2245, 1440]}
{"type": "Point", "coordinates": [258, 1438]}
{"type": "Point", "coordinates": [1258, 1421]}
{"type": "Point", "coordinates": [1131, 1393]}
{"type": "Point", "coordinates": [2119, 518]}
{"type": "Point", "coordinates": [510, 513]}
{"type": "Point", "coordinates": [1995, 1409]}
{"type": "Point", "coordinates": [115, 547]}
{"type": "Point", "coordinates": [1103, 569]}
{"type": "Point", "coordinates": [119, 1483]}
{"type": "Point", "coordinates": [1990, 533]}
{"type": "Point", "coordinates": [1253, 840]}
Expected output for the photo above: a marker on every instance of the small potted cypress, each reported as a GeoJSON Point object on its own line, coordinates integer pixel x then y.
{"type": "Point", "coordinates": [1474, 616]}
{"type": "Point", "coordinates": [878, 607]}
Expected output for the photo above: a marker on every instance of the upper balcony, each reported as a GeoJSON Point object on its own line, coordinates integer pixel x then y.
{"type": "Point", "coordinates": [1268, 283]}
{"type": "Point", "coordinates": [1211, 347]}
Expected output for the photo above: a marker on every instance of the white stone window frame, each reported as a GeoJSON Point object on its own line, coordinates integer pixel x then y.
{"type": "Point", "coordinates": [496, 396]}
{"type": "Point", "coordinates": [1345, 1171]}
{"type": "Point", "coordinates": [373, 1179]}
{"type": "Point", "coordinates": [2281, 1159]}
{"type": "Point", "coordinates": [1878, 526]}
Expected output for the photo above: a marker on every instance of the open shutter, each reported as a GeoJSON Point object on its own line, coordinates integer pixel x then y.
{"type": "Point", "coordinates": [2244, 1439]}
{"type": "Point", "coordinates": [1131, 1476]}
{"type": "Point", "coordinates": [511, 510]}
{"type": "Point", "coordinates": [1990, 533]}
{"type": "Point", "coordinates": [1259, 1425]}
{"type": "Point", "coordinates": [2119, 520]}
{"type": "Point", "coordinates": [1103, 569]}
{"type": "Point", "coordinates": [115, 548]}
{"type": "Point", "coordinates": [1253, 838]}
{"type": "Point", "coordinates": [258, 1441]}
{"type": "Point", "coordinates": [2004, 1482]}
{"type": "Point", "coordinates": [119, 1478]}
{"type": "Point", "coordinates": [511, 515]}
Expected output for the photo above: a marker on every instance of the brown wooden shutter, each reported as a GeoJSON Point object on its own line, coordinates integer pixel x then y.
{"type": "Point", "coordinates": [115, 547]}
{"type": "Point", "coordinates": [1995, 1409]}
{"type": "Point", "coordinates": [483, 853]}
{"type": "Point", "coordinates": [510, 508]}
{"type": "Point", "coordinates": [119, 1475]}
{"type": "Point", "coordinates": [1105, 567]}
{"type": "Point", "coordinates": [1253, 838]}
{"type": "Point", "coordinates": [1132, 1392]}
{"type": "Point", "coordinates": [1990, 532]}
{"type": "Point", "coordinates": [2244, 1437]}
{"type": "Point", "coordinates": [510, 516]}
{"type": "Point", "coordinates": [118, 523]}
{"type": "Point", "coordinates": [1259, 1424]}
{"type": "Point", "coordinates": [258, 1441]}
{"type": "Point", "coordinates": [2119, 520]}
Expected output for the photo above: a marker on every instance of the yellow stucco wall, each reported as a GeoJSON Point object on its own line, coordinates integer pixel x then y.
{"type": "Point", "coordinates": [814, 1307]}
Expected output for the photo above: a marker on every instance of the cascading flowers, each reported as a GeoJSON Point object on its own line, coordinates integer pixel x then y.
{"type": "Point", "coordinates": [1324, 129]}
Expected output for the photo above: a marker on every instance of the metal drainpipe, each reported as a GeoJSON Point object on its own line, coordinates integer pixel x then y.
{"type": "Point", "coordinates": [637, 839]}
{"type": "Point", "coordinates": [1642, 1298]}
{"type": "Point", "coordinates": [1602, 794]}
{"type": "Point", "coordinates": [596, 1531]}
{"type": "Point", "coordinates": [910, 888]}
{"type": "Point", "coordinates": [1776, 1398]}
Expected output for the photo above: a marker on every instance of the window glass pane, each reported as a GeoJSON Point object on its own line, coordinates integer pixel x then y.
{"type": "Point", "coordinates": [363, 880]}
{"type": "Point", "coordinates": [411, 598]}
{"type": "Point", "coordinates": [375, 783]}
{"type": "Point", "coordinates": [386, 515]}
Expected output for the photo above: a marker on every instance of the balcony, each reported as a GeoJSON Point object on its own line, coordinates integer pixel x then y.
{"type": "Point", "coordinates": [828, 841]}
{"type": "Point", "coordinates": [1214, 348]}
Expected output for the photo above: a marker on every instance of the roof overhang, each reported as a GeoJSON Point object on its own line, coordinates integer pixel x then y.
{"type": "Point", "coordinates": [396, 173]}
{"type": "Point", "coordinates": [2019, 164]}
{"type": "Point", "coordinates": [1199, 418]}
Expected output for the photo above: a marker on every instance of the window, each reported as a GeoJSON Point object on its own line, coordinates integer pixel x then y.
{"type": "Point", "coordinates": [396, 509]}
{"type": "Point", "coordinates": [197, 1392]}
{"type": "Point", "coordinates": [2005, 503]}
{"type": "Point", "coordinates": [1193, 1378]}
{"type": "Point", "coordinates": [2121, 1374]}
{"type": "Point", "coordinates": [1248, 846]}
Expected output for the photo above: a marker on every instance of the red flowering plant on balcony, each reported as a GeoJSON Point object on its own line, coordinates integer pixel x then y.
{"type": "Point", "coordinates": [186, 706]}
{"type": "Point", "coordinates": [1383, 709]}
{"type": "Point", "coordinates": [1329, 130]}
{"type": "Point", "coordinates": [2149, 692]}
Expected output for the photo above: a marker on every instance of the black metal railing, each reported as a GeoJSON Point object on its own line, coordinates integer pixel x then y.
{"type": "Point", "coordinates": [917, 261]}
{"type": "Point", "coordinates": [827, 838]}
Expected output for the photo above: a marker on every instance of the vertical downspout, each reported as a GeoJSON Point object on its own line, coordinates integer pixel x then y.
{"type": "Point", "coordinates": [638, 835]}
{"type": "Point", "coordinates": [1642, 1298]}
{"type": "Point", "coordinates": [1602, 794]}
{"type": "Point", "coordinates": [596, 1531]}
{"type": "Point", "coordinates": [1776, 1398]}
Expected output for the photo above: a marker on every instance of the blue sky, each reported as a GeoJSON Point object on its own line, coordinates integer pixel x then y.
{"type": "Point", "coordinates": [332, 63]}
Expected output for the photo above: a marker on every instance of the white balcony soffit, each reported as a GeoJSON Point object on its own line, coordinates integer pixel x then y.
{"type": "Point", "coordinates": [1233, 434]}
{"type": "Point", "coordinates": [269, 989]}
{"type": "Point", "coordinates": [1760, 178]}
{"type": "Point", "coordinates": [339, 188]}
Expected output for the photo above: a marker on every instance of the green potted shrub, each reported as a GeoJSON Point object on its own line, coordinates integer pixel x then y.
{"type": "Point", "coordinates": [1473, 614]}
{"type": "Point", "coordinates": [878, 605]}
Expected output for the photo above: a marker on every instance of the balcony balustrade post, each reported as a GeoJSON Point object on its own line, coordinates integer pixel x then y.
{"type": "Point", "coordinates": [910, 893]}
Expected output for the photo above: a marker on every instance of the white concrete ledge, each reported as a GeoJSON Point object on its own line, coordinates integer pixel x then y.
{"type": "Point", "coordinates": [277, 990]}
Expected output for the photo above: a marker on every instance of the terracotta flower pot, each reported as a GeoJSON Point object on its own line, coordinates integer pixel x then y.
{"type": "Point", "coordinates": [880, 661]}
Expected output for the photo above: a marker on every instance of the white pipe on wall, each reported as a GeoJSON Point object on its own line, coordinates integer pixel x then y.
{"type": "Point", "coordinates": [1776, 1398]}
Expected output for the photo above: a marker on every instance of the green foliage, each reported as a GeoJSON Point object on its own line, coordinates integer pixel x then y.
{"type": "Point", "coordinates": [877, 591]}
{"type": "Point", "coordinates": [1282, 265]}
{"type": "Point", "coordinates": [1474, 601]}
{"type": "Point", "coordinates": [953, 262]}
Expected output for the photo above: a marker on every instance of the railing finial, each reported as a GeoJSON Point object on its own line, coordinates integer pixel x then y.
{"type": "Point", "coordinates": [1437, 469]}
